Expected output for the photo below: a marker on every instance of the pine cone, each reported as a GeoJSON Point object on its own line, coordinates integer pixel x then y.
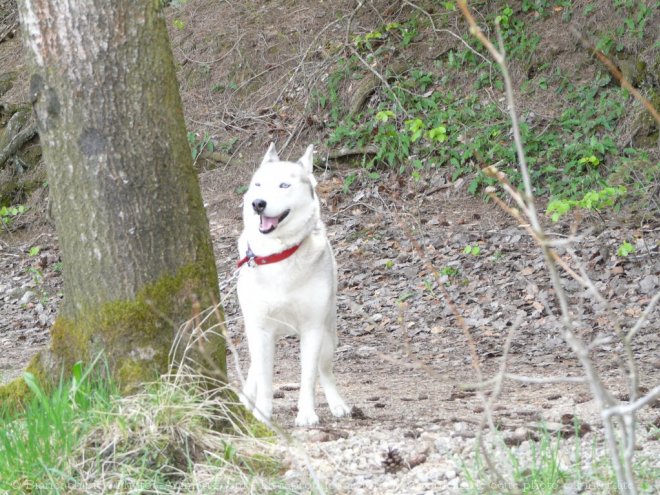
{"type": "Point", "coordinates": [392, 461]}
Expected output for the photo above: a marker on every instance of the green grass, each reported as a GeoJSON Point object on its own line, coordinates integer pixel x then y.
{"type": "Point", "coordinates": [37, 443]}
{"type": "Point", "coordinates": [537, 474]}
{"type": "Point", "coordinates": [172, 437]}
{"type": "Point", "coordinates": [550, 463]}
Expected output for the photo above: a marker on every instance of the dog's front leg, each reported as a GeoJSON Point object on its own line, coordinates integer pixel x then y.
{"type": "Point", "coordinates": [310, 345]}
{"type": "Point", "coordinates": [261, 343]}
{"type": "Point", "coordinates": [248, 395]}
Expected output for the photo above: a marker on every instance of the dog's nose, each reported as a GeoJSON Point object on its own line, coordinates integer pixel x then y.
{"type": "Point", "coordinates": [259, 205]}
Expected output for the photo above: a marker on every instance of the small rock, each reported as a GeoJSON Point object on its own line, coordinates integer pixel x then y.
{"type": "Point", "coordinates": [443, 445]}
{"type": "Point", "coordinates": [516, 437]}
{"type": "Point", "coordinates": [365, 351]}
{"type": "Point", "coordinates": [648, 284]}
{"type": "Point", "coordinates": [453, 483]}
{"type": "Point", "coordinates": [422, 477]}
{"type": "Point", "coordinates": [377, 317]}
{"type": "Point", "coordinates": [320, 436]}
{"type": "Point", "coordinates": [27, 297]}
{"type": "Point", "coordinates": [288, 387]}
{"type": "Point", "coordinates": [420, 458]}
{"type": "Point", "coordinates": [43, 319]}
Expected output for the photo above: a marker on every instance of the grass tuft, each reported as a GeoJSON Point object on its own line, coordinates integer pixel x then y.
{"type": "Point", "coordinates": [174, 436]}
{"type": "Point", "coordinates": [37, 442]}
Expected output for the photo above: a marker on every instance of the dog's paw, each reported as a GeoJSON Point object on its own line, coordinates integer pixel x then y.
{"type": "Point", "coordinates": [261, 417]}
{"type": "Point", "coordinates": [340, 409]}
{"type": "Point", "coordinates": [307, 418]}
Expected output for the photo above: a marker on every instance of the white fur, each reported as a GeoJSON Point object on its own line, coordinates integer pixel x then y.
{"type": "Point", "coordinates": [296, 295]}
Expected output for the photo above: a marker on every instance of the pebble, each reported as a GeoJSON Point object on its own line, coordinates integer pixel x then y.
{"type": "Point", "coordinates": [648, 284]}
{"type": "Point", "coordinates": [443, 444]}
{"type": "Point", "coordinates": [27, 297]}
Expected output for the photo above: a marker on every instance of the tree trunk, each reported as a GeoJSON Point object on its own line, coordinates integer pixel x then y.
{"type": "Point", "coordinates": [134, 237]}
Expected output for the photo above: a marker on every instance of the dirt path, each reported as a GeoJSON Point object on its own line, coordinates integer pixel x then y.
{"type": "Point", "coordinates": [402, 354]}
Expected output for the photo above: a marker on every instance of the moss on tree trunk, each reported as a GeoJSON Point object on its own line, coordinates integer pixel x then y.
{"type": "Point", "coordinates": [136, 249]}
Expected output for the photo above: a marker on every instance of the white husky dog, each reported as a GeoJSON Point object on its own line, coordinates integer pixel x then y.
{"type": "Point", "coordinates": [287, 284]}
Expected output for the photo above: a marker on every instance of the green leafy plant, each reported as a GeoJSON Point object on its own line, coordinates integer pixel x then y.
{"type": "Point", "coordinates": [437, 134]}
{"type": "Point", "coordinates": [9, 213]}
{"type": "Point", "coordinates": [36, 274]}
{"type": "Point", "coordinates": [228, 146]}
{"type": "Point", "coordinates": [404, 296]}
{"type": "Point", "coordinates": [589, 160]}
{"type": "Point", "coordinates": [366, 41]}
{"type": "Point", "coordinates": [449, 271]}
{"type": "Point", "coordinates": [503, 19]}
{"type": "Point", "coordinates": [348, 182]}
{"type": "Point", "coordinates": [384, 115]}
{"type": "Point", "coordinates": [473, 250]}
{"type": "Point", "coordinates": [497, 256]}
{"type": "Point", "coordinates": [199, 144]}
{"type": "Point", "coordinates": [592, 200]}
{"type": "Point", "coordinates": [34, 251]}
{"type": "Point", "coordinates": [625, 249]}
{"type": "Point", "coordinates": [414, 127]}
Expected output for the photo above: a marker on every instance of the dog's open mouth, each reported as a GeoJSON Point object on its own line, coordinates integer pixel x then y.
{"type": "Point", "coordinates": [268, 224]}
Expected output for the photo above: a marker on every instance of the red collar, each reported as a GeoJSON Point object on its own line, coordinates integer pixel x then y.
{"type": "Point", "coordinates": [251, 259]}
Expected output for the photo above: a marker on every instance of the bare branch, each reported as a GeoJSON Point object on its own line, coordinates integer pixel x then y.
{"type": "Point", "coordinates": [447, 31]}
{"type": "Point", "coordinates": [625, 409]}
{"type": "Point", "coordinates": [642, 318]}
{"type": "Point", "coordinates": [622, 464]}
{"type": "Point", "coordinates": [535, 380]}
{"type": "Point", "coordinates": [614, 70]}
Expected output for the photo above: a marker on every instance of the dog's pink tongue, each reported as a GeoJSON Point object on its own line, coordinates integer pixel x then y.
{"type": "Point", "coordinates": [268, 223]}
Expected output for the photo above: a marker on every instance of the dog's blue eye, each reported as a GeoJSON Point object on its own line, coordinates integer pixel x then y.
{"type": "Point", "coordinates": [257, 184]}
{"type": "Point", "coordinates": [284, 185]}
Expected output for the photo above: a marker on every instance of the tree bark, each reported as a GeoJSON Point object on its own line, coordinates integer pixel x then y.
{"type": "Point", "coordinates": [134, 237]}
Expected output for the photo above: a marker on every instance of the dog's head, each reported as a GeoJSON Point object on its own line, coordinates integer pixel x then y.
{"type": "Point", "coordinates": [281, 200]}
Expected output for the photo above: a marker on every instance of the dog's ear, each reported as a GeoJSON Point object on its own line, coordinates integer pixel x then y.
{"type": "Point", "coordinates": [271, 155]}
{"type": "Point", "coordinates": [307, 163]}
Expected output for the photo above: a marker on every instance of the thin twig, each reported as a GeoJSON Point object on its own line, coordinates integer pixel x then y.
{"type": "Point", "coordinates": [614, 70]}
{"type": "Point", "coordinates": [447, 31]}
{"type": "Point", "coordinates": [624, 409]}
{"type": "Point", "coordinates": [622, 467]}
{"type": "Point", "coordinates": [535, 380]}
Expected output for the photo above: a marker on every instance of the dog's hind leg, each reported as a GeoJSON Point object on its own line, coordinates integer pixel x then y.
{"type": "Point", "coordinates": [327, 378]}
